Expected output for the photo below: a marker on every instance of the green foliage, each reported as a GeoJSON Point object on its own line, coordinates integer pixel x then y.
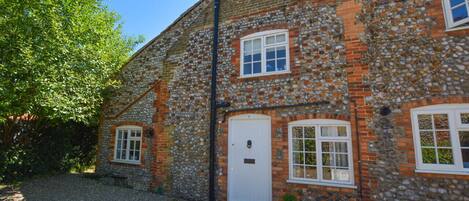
{"type": "Point", "coordinates": [43, 147]}
{"type": "Point", "coordinates": [289, 197]}
{"type": "Point", "coordinates": [57, 57]}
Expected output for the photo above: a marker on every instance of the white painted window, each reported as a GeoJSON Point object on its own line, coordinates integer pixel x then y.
{"type": "Point", "coordinates": [128, 144]}
{"type": "Point", "coordinates": [441, 138]}
{"type": "Point", "coordinates": [320, 152]}
{"type": "Point", "coordinates": [456, 13]}
{"type": "Point", "coordinates": [265, 53]}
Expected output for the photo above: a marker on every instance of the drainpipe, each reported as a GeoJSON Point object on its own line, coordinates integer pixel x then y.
{"type": "Point", "coordinates": [213, 102]}
{"type": "Point", "coordinates": [359, 157]}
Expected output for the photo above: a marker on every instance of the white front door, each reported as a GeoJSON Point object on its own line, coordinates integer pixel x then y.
{"type": "Point", "coordinates": [249, 158]}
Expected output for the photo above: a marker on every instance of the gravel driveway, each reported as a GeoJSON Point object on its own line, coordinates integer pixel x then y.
{"type": "Point", "coordinates": [72, 187]}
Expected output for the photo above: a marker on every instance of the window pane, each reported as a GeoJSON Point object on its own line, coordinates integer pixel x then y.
{"type": "Point", "coordinates": [326, 147]}
{"type": "Point", "coordinates": [271, 66]}
{"type": "Point", "coordinates": [281, 64]}
{"type": "Point", "coordinates": [341, 147]}
{"type": "Point", "coordinates": [342, 131]}
{"type": "Point", "coordinates": [332, 131]}
{"type": "Point", "coordinates": [270, 53]}
{"type": "Point", "coordinates": [311, 172]}
{"type": "Point", "coordinates": [327, 173]}
{"type": "Point", "coordinates": [124, 155]}
{"type": "Point", "coordinates": [256, 45]}
{"type": "Point", "coordinates": [119, 134]}
{"type": "Point", "coordinates": [247, 69]}
{"type": "Point", "coordinates": [138, 133]}
{"type": "Point", "coordinates": [124, 144]}
{"type": "Point", "coordinates": [298, 145]}
{"type": "Point", "coordinates": [297, 132]}
{"type": "Point", "coordinates": [137, 145]}
{"type": "Point", "coordinates": [256, 57]}
{"type": "Point", "coordinates": [310, 132]}
{"type": "Point", "coordinates": [247, 58]}
{"type": "Point", "coordinates": [132, 133]}
{"type": "Point", "coordinates": [455, 2]}
{"type": "Point", "coordinates": [280, 38]}
{"type": "Point", "coordinates": [132, 144]}
{"type": "Point", "coordinates": [118, 154]}
{"type": "Point", "coordinates": [425, 121]}
{"type": "Point", "coordinates": [298, 158]}
{"type": "Point", "coordinates": [465, 157]}
{"type": "Point", "coordinates": [340, 175]}
{"type": "Point", "coordinates": [126, 134]}
{"type": "Point", "coordinates": [443, 139]}
{"type": "Point", "coordinates": [137, 155]}
{"type": "Point", "coordinates": [310, 159]}
{"type": "Point", "coordinates": [119, 144]}
{"type": "Point", "coordinates": [341, 160]}
{"type": "Point", "coordinates": [256, 67]}
{"type": "Point", "coordinates": [441, 121]}
{"type": "Point", "coordinates": [464, 138]}
{"type": "Point", "coordinates": [248, 46]}
{"type": "Point", "coordinates": [281, 52]}
{"type": "Point", "coordinates": [310, 145]}
{"type": "Point", "coordinates": [464, 118]}
{"type": "Point", "coordinates": [298, 171]}
{"type": "Point", "coordinates": [459, 13]}
{"type": "Point", "coordinates": [131, 155]}
{"type": "Point", "coordinates": [445, 156]}
{"type": "Point", "coordinates": [429, 155]}
{"type": "Point", "coordinates": [270, 40]}
{"type": "Point", "coordinates": [426, 138]}
{"type": "Point", "coordinates": [327, 160]}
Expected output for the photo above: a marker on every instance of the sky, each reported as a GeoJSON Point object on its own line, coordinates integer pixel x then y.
{"type": "Point", "coordinates": [147, 17]}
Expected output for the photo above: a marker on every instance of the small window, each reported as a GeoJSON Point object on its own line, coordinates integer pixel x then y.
{"type": "Point", "coordinates": [128, 144]}
{"type": "Point", "coordinates": [320, 152]}
{"type": "Point", "coordinates": [264, 53]}
{"type": "Point", "coordinates": [441, 136]}
{"type": "Point", "coordinates": [456, 13]}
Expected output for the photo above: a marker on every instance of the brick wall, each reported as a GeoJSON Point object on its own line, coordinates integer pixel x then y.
{"type": "Point", "coordinates": [358, 56]}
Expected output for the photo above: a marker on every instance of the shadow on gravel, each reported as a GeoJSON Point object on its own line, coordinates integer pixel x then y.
{"type": "Point", "coordinates": [73, 187]}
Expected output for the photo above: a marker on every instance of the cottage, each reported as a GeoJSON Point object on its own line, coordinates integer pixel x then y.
{"type": "Point", "coordinates": [321, 100]}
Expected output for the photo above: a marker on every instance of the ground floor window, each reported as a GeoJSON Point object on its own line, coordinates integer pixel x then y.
{"type": "Point", "coordinates": [441, 137]}
{"type": "Point", "coordinates": [320, 151]}
{"type": "Point", "coordinates": [128, 143]}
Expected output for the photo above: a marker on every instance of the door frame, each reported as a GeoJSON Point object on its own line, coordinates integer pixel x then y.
{"type": "Point", "coordinates": [269, 147]}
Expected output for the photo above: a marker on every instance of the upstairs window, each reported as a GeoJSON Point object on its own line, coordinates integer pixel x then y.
{"type": "Point", "coordinates": [264, 53]}
{"type": "Point", "coordinates": [128, 144]}
{"type": "Point", "coordinates": [456, 13]}
{"type": "Point", "coordinates": [441, 135]}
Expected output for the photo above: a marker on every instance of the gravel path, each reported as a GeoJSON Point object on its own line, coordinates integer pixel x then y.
{"type": "Point", "coordinates": [72, 187]}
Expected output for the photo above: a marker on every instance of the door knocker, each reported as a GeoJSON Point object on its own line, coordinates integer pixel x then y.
{"type": "Point", "coordinates": [249, 144]}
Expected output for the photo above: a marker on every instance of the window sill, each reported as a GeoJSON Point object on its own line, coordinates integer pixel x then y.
{"type": "Point", "coordinates": [338, 185]}
{"type": "Point", "coordinates": [127, 162]}
{"type": "Point", "coordinates": [457, 28]}
{"type": "Point", "coordinates": [264, 74]}
{"type": "Point", "coordinates": [443, 172]}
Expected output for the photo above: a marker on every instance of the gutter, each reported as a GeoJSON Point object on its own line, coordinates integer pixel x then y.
{"type": "Point", "coordinates": [213, 102]}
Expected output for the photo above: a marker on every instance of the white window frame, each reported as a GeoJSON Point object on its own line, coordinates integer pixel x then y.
{"type": "Point", "coordinates": [263, 35]}
{"type": "Point", "coordinates": [448, 14]}
{"type": "Point", "coordinates": [317, 124]}
{"type": "Point", "coordinates": [453, 111]}
{"type": "Point", "coordinates": [129, 138]}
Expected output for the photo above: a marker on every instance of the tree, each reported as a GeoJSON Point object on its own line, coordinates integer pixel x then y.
{"type": "Point", "coordinates": [57, 57]}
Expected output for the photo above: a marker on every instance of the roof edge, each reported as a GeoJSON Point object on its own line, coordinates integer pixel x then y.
{"type": "Point", "coordinates": [139, 51]}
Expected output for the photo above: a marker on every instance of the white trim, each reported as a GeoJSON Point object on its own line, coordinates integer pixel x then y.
{"type": "Point", "coordinates": [262, 36]}
{"type": "Point", "coordinates": [442, 172]}
{"type": "Point", "coordinates": [452, 110]}
{"type": "Point", "coordinates": [317, 124]}
{"type": "Point", "coordinates": [448, 15]}
{"type": "Point", "coordinates": [128, 128]}
{"type": "Point", "coordinates": [295, 181]}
